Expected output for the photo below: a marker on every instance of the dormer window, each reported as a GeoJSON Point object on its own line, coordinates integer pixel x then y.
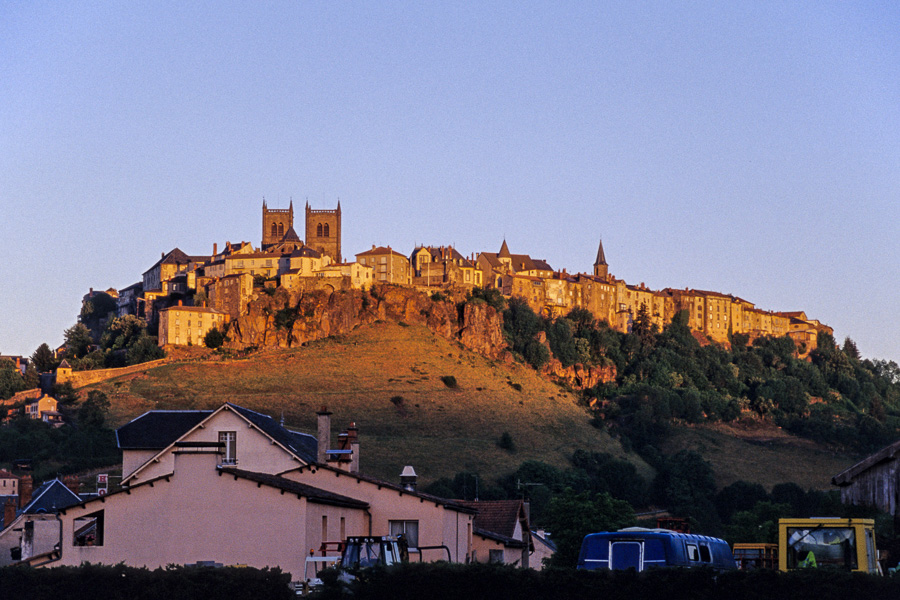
{"type": "Point", "coordinates": [229, 451]}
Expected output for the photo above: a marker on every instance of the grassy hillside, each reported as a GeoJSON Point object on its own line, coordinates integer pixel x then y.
{"type": "Point", "coordinates": [387, 378]}
{"type": "Point", "coordinates": [762, 453]}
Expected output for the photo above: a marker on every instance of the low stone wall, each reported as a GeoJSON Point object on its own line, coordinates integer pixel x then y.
{"type": "Point", "coordinates": [83, 378]}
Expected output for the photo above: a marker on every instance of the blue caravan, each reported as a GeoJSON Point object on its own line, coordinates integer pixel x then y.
{"type": "Point", "coordinates": [639, 549]}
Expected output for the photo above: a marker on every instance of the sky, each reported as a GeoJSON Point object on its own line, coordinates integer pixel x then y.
{"type": "Point", "coordinates": [751, 148]}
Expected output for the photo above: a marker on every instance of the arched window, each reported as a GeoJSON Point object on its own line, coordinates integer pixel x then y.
{"type": "Point", "coordinates": [281, 229]}
{"type": "Point", "coordinates": [319, 230]}
{"type": "Point", "coordinates": [325, 230]}
{"type": "Point", "coordinates": [274, 229]}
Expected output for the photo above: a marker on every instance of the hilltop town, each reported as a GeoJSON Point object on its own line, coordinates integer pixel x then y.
{"type": "Point", "coordinates": [184, 296]}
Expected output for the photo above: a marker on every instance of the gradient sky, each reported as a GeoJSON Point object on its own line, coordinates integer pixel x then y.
{"type": "Point", "coordinates": [751, 148]}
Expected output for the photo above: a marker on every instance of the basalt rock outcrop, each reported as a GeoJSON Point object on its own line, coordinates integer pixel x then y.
{"type": "Point", "coordinates": [578, 376]}
{"type": "Point", "coordinates": [283, 318]}
{"type": "Point", "coordinates": [286, 318]}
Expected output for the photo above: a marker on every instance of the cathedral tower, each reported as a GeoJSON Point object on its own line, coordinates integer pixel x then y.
{"type": "Point", "coordinates": [323, 231]}
{"type": "Point", "coordinates": [275, 223]}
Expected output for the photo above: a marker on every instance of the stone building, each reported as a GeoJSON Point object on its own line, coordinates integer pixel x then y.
{"type": "Point", "coordinates": [187, 325]}
{"type": "Point", "coordinates": [323, 231]}
{"type": "Point", "coordinates": [389, 266]}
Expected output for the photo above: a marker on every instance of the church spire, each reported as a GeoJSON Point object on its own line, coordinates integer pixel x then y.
{"type": "Point", "coordinates": [504, 251]}
{"type": "Point", "coordinates": [601, 257]}
{"type": "Point", "coordinates": [601, 269]}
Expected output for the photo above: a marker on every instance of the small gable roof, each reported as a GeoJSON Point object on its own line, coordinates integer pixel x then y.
{"type": "Point", "coordinates": [303, 445]}
{"type": "Point", "coordinates": [50, 497]}
{"type": "Point", "coordinates": [158, 429]}
{"type": "Point", "coordinates": [497, 518]}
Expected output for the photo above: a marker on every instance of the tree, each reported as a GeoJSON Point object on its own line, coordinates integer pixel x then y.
{"type": "Point", "coordinates": [93, 410]}
{"type": "Point", "coordinates": [143, 349]}
{"type": "Point", "coordinates": [43, 359]}
{"type": "Point", "coordinates": [214, 338]}
{"type": "Point", "coordinates": [11, 380]}
{"type": "Point", "coordinates": [95, 310]}
{"type": "Point", "coordinates": [122, 332]}
{"type": "Point", "coordinates": [571, 516]}
{"type": "Point", "coordinates": [78, 340]}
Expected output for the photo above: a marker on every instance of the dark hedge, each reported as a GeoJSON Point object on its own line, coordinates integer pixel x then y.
{"type": "Point", "coordinates": [90, 582]}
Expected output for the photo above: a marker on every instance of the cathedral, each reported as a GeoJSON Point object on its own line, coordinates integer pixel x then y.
{"type": "Point", "coordinates": [323, 230]}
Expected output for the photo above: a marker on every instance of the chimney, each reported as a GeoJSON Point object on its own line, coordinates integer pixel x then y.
{"type": "Point", "coordinates": [353, 435]}
{"type": "Point", "coordinates": [324, 434]}
{"type": "Point", "coordinates": [9, 511]}
{"type": "Point", "coordinates": [408, 478]}
{"type": "Point", "coordinates": [215, 248]}
{"type": "Point", "coordinates": [179, 303]}
{"type": "Point", "coordinates": [25, 487]}
{"type": "Point", "coordinates": [71, 482]}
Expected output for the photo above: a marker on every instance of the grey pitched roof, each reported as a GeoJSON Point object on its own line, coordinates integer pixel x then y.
{"type": "Point", "coordinates": [301, 444]}
{"type": "Point", "coordinates": [451, 504]}
{"type": "Point", "coordinates": [157, 429]}
{"type": "Point", "coordinates": [50, 497]}
{"type": "Point", "coordinates": [305, 251]}
{"type": "Point", "coordinates": [313, 494]}
{"type": "Point", "coordinates": [291, 235]}
{"type": "Point", "coordinates": [601, 257]}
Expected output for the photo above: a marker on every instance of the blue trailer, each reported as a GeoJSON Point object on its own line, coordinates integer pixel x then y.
{"type": "Point", "coordinates": [640, 549]}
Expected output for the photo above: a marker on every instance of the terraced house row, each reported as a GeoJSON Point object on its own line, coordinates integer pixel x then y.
{"type": "Point", "coordinates": [186, 295]}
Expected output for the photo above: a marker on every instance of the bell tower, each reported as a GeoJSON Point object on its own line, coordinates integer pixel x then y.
{"type": "Point", "coordinates": [601, 269]}
{"type": "Point", "coordinates": [323, 231]}
{"type": "Point", "coordinates": [275, 223]}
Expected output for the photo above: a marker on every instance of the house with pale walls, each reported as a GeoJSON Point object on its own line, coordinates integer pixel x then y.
{"type": "Point", "coordinates": [187, 325]}
{"type": "Point", "coordinates": [388, 265]}
{"type": "Point", "coordinates": [443, 266]}
{"type": "Point", "coordinates": [235, 487]}
{"type": "Point", "coordinates": [30, 527]}
{"type": "Point", "coordinates": [502, 533]}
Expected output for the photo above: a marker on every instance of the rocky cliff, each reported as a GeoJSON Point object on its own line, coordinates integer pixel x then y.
{"type": "Point", "coordinates": [283, 318]}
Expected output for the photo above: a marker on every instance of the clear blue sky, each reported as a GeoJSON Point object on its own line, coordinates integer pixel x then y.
{"type": "Point", "coordinates": [751, 148]}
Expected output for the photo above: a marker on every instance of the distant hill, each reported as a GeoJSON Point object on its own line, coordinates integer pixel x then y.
{"type": "Point", "coordinates": [387, 378]}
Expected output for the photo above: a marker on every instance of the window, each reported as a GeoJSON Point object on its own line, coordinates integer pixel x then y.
{"type": "Point", "coordinates": [274, 229]}
{"type": "Point", "coordinates": [495, 557]}
{"type": "Point", "coordinates": [319, 230]}
{"type": "Point", "coordinates": [229, 452]}
{"type": "Point", "coordinates": [88, 530]}
{"type": "Point", "coordinates": [281, 229]}
{"type": "Point", "coordinates": [325, 231]}
{"type": "Point", "coordinates": [705, 554]}
{"type": "Point", "coordinates": [408, 529]}
{"type": "Point", "coordinates": [692, 553]}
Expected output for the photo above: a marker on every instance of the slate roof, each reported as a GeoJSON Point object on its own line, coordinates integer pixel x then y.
{"type": "Point", "coordinates": [50, 497]}
{"type": "Point", "coordinates": [456, 505]}
{"type": "Point", "coordinates": [302, 445]}
{"type": "Point", "coordinates": [305, 251]}
{"type": "Point", "coordinates": [601, 257]}
{"type": "Point", "coordinates": [291, 235]}
{"type": "Point", "coordinates": [496, 518]}
{"type": "Point", "coordinates": [157, 429]}
{"type": "Point", "coordinates": [313, 494]}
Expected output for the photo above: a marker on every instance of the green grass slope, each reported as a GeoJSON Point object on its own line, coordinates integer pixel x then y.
{"type": "Point", "coordinates": [387, 379]}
